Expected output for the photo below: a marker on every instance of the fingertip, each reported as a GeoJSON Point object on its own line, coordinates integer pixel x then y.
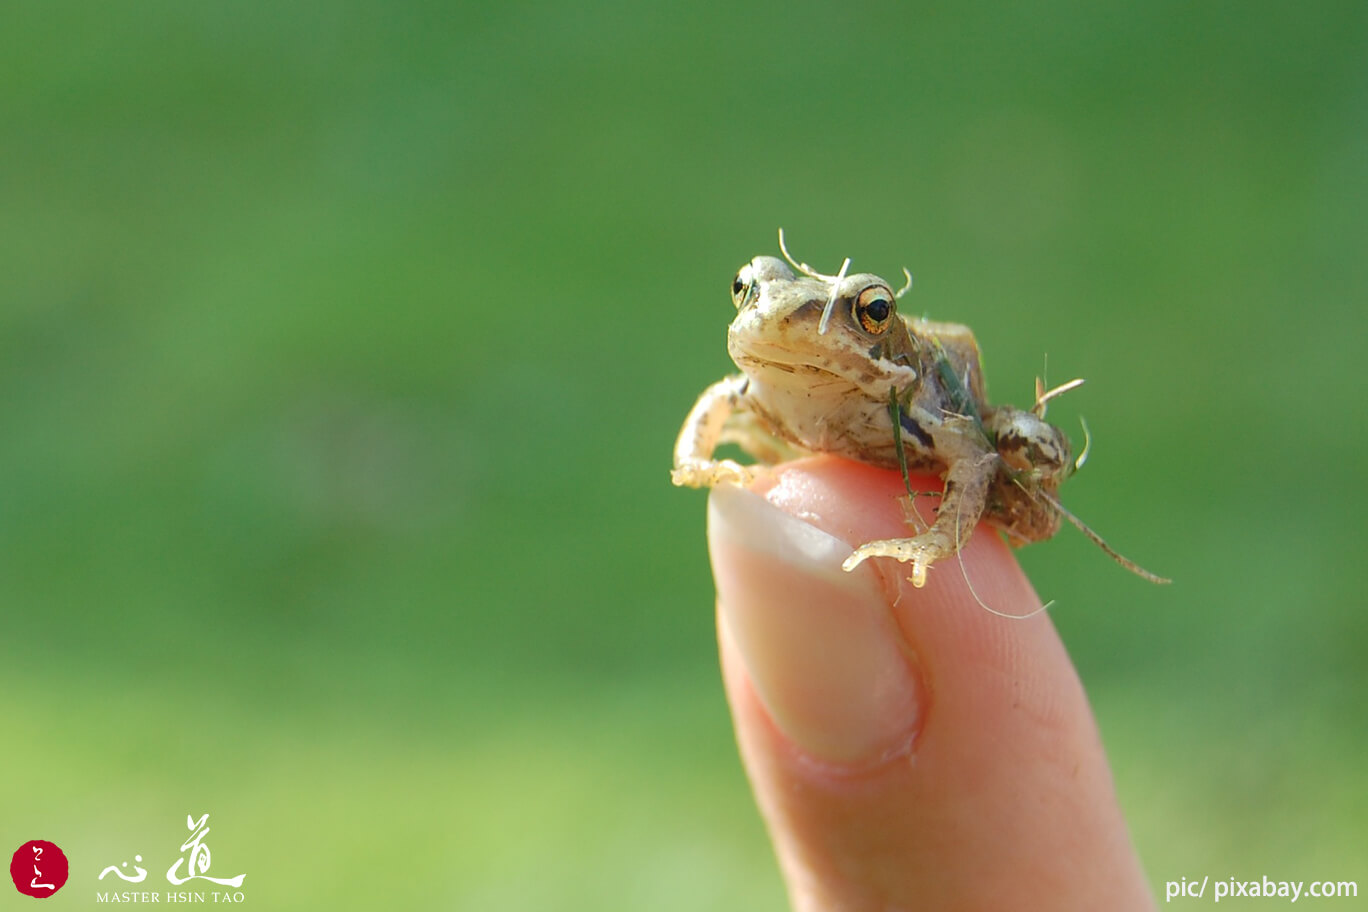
{"type": "Point", "coordinates": [817, 644]}
{"type": "Point", "coordinates": [1005, 788]}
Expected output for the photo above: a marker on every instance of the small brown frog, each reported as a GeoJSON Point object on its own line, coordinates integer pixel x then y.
{"type": "Point", "coordinates": [828, 365]}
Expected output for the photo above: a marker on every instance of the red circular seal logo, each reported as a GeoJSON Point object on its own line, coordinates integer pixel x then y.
{"type": "Point", "coordinates": [38, 868]}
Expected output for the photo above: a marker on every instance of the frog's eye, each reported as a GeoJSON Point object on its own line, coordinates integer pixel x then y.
{"type": "Point", "coordinates": [741, 287]}
{"type": "Point", "coordinates": [873, 309]}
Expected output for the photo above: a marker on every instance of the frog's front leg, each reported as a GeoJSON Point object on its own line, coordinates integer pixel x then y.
{"type": "Point", "coordinates": [966, 493]}
{"type": "Point", "coordinates": [694, 466]}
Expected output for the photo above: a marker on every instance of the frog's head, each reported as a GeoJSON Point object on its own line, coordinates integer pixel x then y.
{"type": "Point", "coordinates": [842, 325]}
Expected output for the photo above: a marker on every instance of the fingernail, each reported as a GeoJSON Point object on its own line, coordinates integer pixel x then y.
{"type": "Point", "coordinates": [820, 645]}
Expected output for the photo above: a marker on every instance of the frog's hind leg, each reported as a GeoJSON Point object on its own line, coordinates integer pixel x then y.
{"type": "Point", "coordinates": [966, 492]}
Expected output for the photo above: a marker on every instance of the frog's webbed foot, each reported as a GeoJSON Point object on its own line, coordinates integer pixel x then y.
{"type": "Point", "coordinates": [966, 492]}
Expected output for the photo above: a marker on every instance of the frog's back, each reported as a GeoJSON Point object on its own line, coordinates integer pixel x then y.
{"type": "Point", "coordinates": [960, 347]}
{"type": "Point", "coordinates": [957, 338]}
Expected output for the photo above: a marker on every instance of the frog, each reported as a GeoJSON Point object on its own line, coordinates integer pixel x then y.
{"type": "Point", "coordinates": [828, 364]}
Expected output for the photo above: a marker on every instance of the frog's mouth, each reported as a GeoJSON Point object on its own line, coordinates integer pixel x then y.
{"type": "Point", "coordinates": [767, 357]}
{"type": "Point", "coordinates": [864, 371]}
{"type": "Point", "coordinates": [769, 354]}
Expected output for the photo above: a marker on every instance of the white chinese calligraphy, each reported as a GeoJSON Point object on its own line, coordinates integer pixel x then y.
{"type": "Point", "coordinates": [142, 872]}
{"type": "Point", "coordinates": [37, 854]}
{"type": "Point", "coordinates": [199, 857]}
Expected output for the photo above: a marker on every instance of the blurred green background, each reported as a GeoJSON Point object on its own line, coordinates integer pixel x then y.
{"type": "Point", "coordinates": [343, 346]}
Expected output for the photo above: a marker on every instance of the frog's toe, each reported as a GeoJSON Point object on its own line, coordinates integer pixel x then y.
{"type": "Point", "coordinates": [686, 477]}
{"type": "Point", "coordinates": [858, 557]}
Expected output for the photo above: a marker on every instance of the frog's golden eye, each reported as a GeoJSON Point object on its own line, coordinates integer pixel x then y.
{"type": "Point", "coordinates": [873, 309]}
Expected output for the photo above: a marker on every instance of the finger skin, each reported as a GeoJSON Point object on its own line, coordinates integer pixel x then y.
{"type": "Point", "coordinates": [1003, 798]}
